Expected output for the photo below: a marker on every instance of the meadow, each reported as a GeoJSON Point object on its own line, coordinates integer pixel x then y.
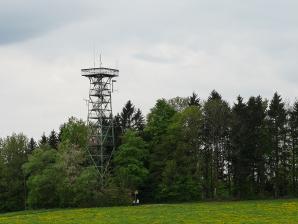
{"type": "Point", "coordinates": [270, 211]}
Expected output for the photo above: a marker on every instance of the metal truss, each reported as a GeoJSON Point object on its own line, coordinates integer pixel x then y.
{"type": "Point", "coordinates": [100, 117]}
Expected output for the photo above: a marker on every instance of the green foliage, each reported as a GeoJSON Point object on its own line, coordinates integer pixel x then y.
{"type": "Point", "coordinates": [277, 127]}
{"type": "Point", "coordinates": [181, 171]}
{"type": "Point", "coordinates": [130, 118]}
{"type": "Point", "coordinates": [179, 103]}
{"type": "Point", "coordinates": [85, 188]}
{"type": "Point", "coordinates": [43, 178]}
{"type": "Point", "coordinates": [158, 119]}
{"type": "Point", "coordinates": [293, 129]}
{"type": "Point", "coordinates": [129, 161]}
{"type": "Point", "coordinates": [75, 131]}
{"type": "Point", "coordinates": [217, 117]}
{"type": "Point", "coordinates": [71, 162]}
{"type": "Point", "coordinates": [43, 140]}
{"type": "Point", "coordinates": [188, 150]}
{"type": "Point", "coordinates": [194, 100]}
{"type": "Point", "coordinates": [250, 141]}
{"type": "Point", "coordinates": [53, 140]}
{"type": "Point", "coordinates": [13, 153]}
{"type": "Point", "coordinates": [32, 144]}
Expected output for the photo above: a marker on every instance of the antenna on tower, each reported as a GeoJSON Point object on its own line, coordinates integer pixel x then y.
{"type": "Point", "coordinates": [100, 62]}
{"type": "Point", "coordinates": [86, 101]}
{"type": "Point", "coordinates": [94, 54]}
{"type": "Point", "coordinates": [94, 57]}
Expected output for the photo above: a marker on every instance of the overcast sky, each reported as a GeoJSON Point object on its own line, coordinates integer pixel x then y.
{"type": "Point", "coordinates": [163, 48]}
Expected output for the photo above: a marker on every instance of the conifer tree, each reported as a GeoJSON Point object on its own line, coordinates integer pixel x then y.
{"type": "Point", "coordinates": [293, 124]}
{"type": "Point", "coordinates": [53, 140]}
{"type": "Point", "coordinates": [32, 144]}
{"type": "Point", "coordinates": [238, 138]}
{"type": "Point", "coordinates": [193, 100]}
{"type": "Point", "coordinates": [277, 122]}
{"type": "Point", "coordinates": [216, 134]}
{"type": "Point", "coordinates": [43, 140]}
{"type": "Point", "coordinates": [126, 116]}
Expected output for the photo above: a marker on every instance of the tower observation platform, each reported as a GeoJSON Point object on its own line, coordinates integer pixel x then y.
{"type": "Point", "coordinates": [101, 143]}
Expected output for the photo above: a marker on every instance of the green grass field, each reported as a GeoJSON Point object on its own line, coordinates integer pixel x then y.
{"type": "Point", "coordinates": [277, 211]}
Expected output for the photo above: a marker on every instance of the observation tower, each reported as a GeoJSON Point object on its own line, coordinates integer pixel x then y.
{"type": "Point", "coordinates": [101, 143]}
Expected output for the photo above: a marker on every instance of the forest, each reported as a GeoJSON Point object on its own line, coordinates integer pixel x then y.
{"type": "Point", "coordinates": [185, 149]}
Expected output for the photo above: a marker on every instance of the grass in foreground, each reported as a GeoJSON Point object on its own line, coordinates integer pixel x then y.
{"type": "Point", "coordinates": [275, 211]}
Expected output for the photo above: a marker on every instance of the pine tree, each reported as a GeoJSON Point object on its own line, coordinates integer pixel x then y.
{"type": "Point", "coordinates": [277, 122]}
{"type": "Point", "coordinates": [238, 139]}
{"type": "Point", "coordinates": [126, 116]}
{"type": "Point", "coordinates": [53, 140]}
{"type": "Point", "coordinates": [43, 140]}
{"type": "Point", "coordinates": [138, 121]}
{"type": "Point", "coordinates": [32, 144]}
{"type": "Point", "coordinates": [293, 124]}
{"type": "Point", "coordinates": [193, 100]}
{"type": "Point", "coordinates": [129, 118]}
{"type": "Point", "coordinates": [216, 134]}
{"type": "Point", "coordinates": [117, 130]}
{"type": "Point", "coordinates": [256, 144]}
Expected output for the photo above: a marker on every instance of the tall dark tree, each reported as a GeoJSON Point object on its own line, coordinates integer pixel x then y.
{"type": "Point", "coordinates": [32, 144]}
{"type": "Point", "coordinates": [216, 137]}
{"type": "Point", "coordinates": [214, 95]}
{"type": "Point", "coordinates": [126, 116]}
{"type": "Point", "coordinates": [257, 143]}
{"type": "Point", "coordinates": [129, 118]}
{"type": "Point", "coordinates": [194, 100]}
{"type": "Point", "coordinates": [43, 140]}
{"type": "Point", "coordinates": [293, 124]}
{"type": "Point", "coordinates": [117, 130]}
{"type": "Point", "coordinates": [138, 121]}
{"type": "Point", "coordinates": [53, 140]}
{"type": "Point", "coordinates": [238, 141]}
{"type": "Point", "coordinates": [277, 126]}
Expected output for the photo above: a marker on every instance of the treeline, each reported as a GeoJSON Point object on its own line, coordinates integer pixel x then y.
{"type": "Point", "coordinates": [185, 150]}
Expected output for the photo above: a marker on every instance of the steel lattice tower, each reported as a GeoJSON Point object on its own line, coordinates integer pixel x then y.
{"type": "Point", "coordinates": [100, 117]}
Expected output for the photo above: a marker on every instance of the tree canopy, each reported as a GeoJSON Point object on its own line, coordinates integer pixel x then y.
{"type": "Point", "coordinates": [186, 149]}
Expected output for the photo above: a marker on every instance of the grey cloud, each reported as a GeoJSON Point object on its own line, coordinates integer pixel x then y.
{"type": "Point", "coordinates": [165, 48]}
{"type": "Point", "coordinates": [154, 59]}
{"type": "Point", "coordinates": [21, 20]}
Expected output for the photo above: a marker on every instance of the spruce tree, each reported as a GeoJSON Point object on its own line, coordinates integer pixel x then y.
{"type": "Point", "coordinates": [194, 100]}
{"type": "Point", "coordinates": [138, 121]}
{"type": "Point", "coordinates": [43, 140]}
{"type": "Point", "coordinates": [53, 140]}
{"type": "Point", "coordinates": [216, 134]}
{"type": "Point", "coordinates": [32, 144]}
{"type": "Point", "coordinates": [293, 124]}
{"type": "Point", "coordinates": [277, 122]}
{"type": "Point", "coordinates": [126, 116]}
{"type": "Point", "coordinates": [238, 139]}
